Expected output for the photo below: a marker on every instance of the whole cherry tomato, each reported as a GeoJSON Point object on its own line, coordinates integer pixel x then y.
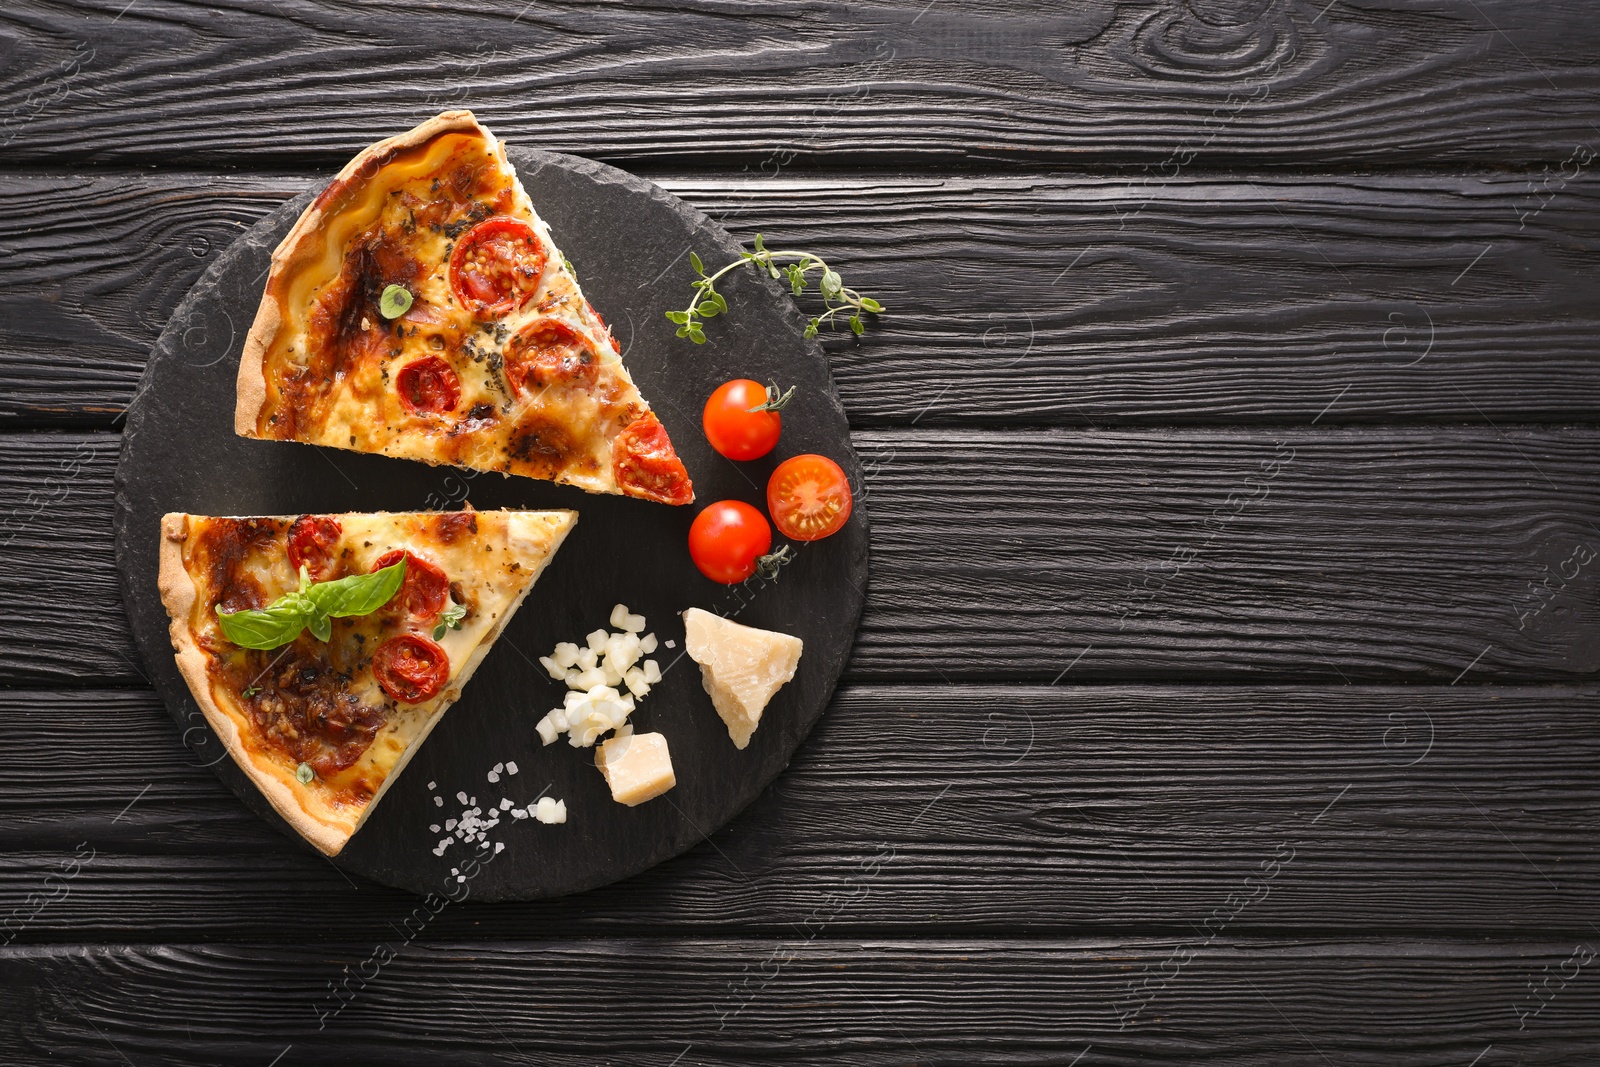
{"type": "Point", "coordinates": [727, 539]}
{"type": "Point", "coordinates": [809, 497]}
{"type": "Point", "coordinates": [733, 428]}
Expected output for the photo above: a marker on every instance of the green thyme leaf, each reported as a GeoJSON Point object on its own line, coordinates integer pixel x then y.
{"type": "Point", "coordinates": [838, 300]}
{"type": "Point", "coordinates": [449, 619]}
{"type": "Point", "coordinates": [303, 774]}
{"type": "Point", "coordinates": [396, 301]}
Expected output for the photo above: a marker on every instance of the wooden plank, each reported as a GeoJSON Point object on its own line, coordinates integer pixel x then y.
{"type": "Point", "coordinates": [56, 558]}
{"type": "Point", "coordinates": [1246, 555]}
{"type": "Point", "coordinates": [884, 81]}
{"type": "Point", "coordinates": [1039, 299]}
{"type": "Point", "coordinates": [975, 810]}
{"type": "Point", "coordinates": [708, 1001]}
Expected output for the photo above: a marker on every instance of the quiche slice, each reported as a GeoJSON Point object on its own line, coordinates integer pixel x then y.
{"type": "Point", "coordinates": [420, 308]}
{"type": "Point", "coordinates": [324, 726]}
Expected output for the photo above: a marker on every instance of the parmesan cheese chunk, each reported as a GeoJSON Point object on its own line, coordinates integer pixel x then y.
{"type": "Point", "coordinates": [740, 666]}
{"type": "Point", "coordinates": [637, 767]}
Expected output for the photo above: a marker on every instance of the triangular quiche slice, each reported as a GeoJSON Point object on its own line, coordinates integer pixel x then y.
{"type": "Point", "coordinates": [324, 726]}
{"type": "Point", "coordinates": [421, 308]}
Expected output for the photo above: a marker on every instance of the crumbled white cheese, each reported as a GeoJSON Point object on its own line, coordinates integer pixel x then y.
{"type": "Point", "coordinates": [595, 676]}
{"type": "Point", "coordinates": [550, 811]}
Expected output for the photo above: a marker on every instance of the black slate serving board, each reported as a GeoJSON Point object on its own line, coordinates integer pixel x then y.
{"type": "Point", "coordinates": [629, 241]}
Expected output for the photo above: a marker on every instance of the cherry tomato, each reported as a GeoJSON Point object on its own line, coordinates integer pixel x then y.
{"type": "Point", "coordinates": [311, 541]}
{"type": "Point", "coordinates": [428, 386]}
{"type": "Point", "coordinates": [809, 497]}
{"type": "Point", "coordinates": [732, 428]}
{"type": "Point", "coordinates": [611, 338]}
{"type": "Point", "coordinates": [547, 352]}
{"type": "Point", "coordinates": [426, 587]}
{"type": "Point", "coordinates": [496, 265]}
{"type": "Point", "coordinates": [645, 464]}
{"type": "Point", "coordinates": [726, 539]}
{"type": "Point", "coordinates": [411, 668]}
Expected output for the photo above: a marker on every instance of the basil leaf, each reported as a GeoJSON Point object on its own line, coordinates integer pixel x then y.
{"type": "Point", "coordinates": [395, 301]}
{"type": "Point", "coordinates": [357, 594]}
{"type": "Point", "coordinates": [321, 626]}
{"type": "Point", "coordinates": [312, 606]}
{"type": "Point", "coordinates": [276, 624]}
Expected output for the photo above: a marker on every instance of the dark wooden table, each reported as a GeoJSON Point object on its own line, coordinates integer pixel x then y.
{"type": "Point", "coordinates": [1225, 692]}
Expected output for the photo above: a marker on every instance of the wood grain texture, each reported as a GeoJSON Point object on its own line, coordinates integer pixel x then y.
{"type": "Point", "coordinates": [1024, 300]}
{"type": "Point", "coordinates": [891, 80]}
{"type": "Point", "coordinates": [709, 1001]}
{"type": "Point", "coordinates": [1338, 555]}
{"type": "Point", "coordinates": [978, 811]}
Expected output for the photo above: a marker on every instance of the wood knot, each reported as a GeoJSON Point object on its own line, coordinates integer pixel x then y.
{"type": "Point", "coordinates": [1232, 39]}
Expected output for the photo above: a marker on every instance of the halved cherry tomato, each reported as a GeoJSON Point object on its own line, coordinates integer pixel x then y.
{"type": "Point", "coordinates": [645, 464]}
{"type": "Point", "coordinates": [732, 428]}
{"type": "Point", "coordinates": [547, 352]}
{"type": "Point", "coordinates": [426, 587]}
{"type": "Point", "coordinates": [428, 386]}
{"type": "Point", "coordinates": [411, 668]}
{"type": "Point", "coordinates": [809, 497]}
{"type": "Point", "coordinates": [726, 539]}
{"type": "Point", "coordinates": [496, 265]}
{"type": "Point", "coordinates": [611, 338]}
{"type": "Point", "coordinates": [311, 541]}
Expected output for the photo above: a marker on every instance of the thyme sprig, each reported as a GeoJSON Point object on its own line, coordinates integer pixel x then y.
{"type": "Point", "coordinates": [837, 298]}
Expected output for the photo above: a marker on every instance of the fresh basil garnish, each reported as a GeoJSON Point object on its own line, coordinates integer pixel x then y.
{"type": "Point", "coordinates": [313, 606]}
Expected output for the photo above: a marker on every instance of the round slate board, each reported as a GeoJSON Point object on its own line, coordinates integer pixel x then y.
{"type": "Point", "coordinates": [629, 242]}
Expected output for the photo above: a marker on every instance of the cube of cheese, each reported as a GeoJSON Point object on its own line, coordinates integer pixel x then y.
{"type": "Point", "coordinates": [637, 767]}
{"type": "Point", "coordinates": [740, 666]}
